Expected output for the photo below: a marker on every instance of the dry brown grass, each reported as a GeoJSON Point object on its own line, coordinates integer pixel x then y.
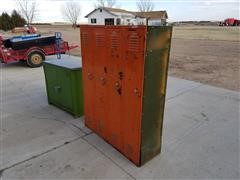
{"type": "Point", "coordinates": [207, 33]}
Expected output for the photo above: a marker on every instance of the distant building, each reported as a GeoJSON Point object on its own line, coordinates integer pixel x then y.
{"type": "Point", "coordinates": [114, 16]}
{"type": "Point", "coordinates": [154, 18]}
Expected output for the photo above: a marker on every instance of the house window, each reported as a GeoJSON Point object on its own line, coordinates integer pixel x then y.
{"type": "Point", "coordinates": [118, 21]}
{"type": "Point", "coordinates": [94, 21]}
{"type": "Point", "coordinates": [109, 21]}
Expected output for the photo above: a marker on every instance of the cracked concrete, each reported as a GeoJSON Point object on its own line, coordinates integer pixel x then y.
{"type": "Point", "coordinates": [40, 141]}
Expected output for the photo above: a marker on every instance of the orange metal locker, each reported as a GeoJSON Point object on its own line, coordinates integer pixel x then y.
{"type": "Point", "coordinates": [114, 74]}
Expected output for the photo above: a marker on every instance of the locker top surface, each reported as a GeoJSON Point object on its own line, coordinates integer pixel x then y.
{"type": "Point", "coordinates": [112, 26]}
{"type": "Point", "coordinates": [72, 64]}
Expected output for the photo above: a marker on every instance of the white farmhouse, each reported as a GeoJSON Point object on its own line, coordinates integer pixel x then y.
{"type": "Point", "coordinates": [114, 16]}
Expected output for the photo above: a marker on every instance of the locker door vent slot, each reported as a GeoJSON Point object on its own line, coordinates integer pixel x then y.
{"type": "Point", "coordinates": [133, 42]}
{"type": "Point", "coordinates": [84, 37]}
{"type": "Point", "coordinates": [120, 75]}
{"type": "Point", "coordinates": [114, 40]}
{"type": "Point", "coordinates": [99, 39]}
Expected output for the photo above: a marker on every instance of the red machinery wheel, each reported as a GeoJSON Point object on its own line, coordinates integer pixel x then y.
{"type": "Point", "coordinates": [35, 59]}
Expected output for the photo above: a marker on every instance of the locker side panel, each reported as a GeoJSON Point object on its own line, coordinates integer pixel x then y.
{"type": "Point", "coordinates": [156, 67]}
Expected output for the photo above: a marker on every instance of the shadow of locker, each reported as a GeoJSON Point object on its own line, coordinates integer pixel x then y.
{"type": "Point", "coordinates": [125, 76]}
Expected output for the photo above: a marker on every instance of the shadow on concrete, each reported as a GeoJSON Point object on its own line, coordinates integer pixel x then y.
{"type": "Point", "coordinates": [15, 64]}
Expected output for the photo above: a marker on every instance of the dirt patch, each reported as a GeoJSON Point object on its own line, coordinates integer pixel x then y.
{"type": "Point", "coordinates": [210, 62]}
{"type": "Point", "coordinates": [231, 33]}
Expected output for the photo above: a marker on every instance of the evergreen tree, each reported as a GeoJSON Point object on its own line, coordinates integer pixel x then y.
{"type": "Point", "coordinates": [5, 23]}
{"type": "Point", "coordinates": [9, 22]}
{"type": "Point", "coordinates": [17, 20]}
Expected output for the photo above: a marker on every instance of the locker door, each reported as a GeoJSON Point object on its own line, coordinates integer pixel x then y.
{"type": "Point", "coordinates": [133, 85]}
{"type": "Point", "coordinates": [115, 74]}
{"type": "Point", "coordinates": [100, 69]}
{"type": "Point", "coordinates": [88, 75]}
{"type": "Point", "coordinates": [52, 83]}
{"type": "Point", "coordinates": [65, 92]}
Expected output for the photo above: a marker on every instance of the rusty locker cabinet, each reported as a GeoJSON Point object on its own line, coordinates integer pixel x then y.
{"type": "Point", "coordinates": [125, 76]}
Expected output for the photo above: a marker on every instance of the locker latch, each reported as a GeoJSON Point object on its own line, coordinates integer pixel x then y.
{"type": "Point", "coordinates": [89, 75]}
{"type": "Point", "coordinates": [118, 87]}
{"type": "Point", "coordinates": [103, 80]}
{"type": "Point", "coordinates": [136, 92]}
{"type": "Point", "coordinates": [57, 88]}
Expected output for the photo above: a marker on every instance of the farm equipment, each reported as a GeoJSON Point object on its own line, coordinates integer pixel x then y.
{"type": "Point", "coordinates": [32, 48]}
{"type": "Point", "coordinates": [26, 29]}
{"type": "Point", "coordinates": [230, 22]}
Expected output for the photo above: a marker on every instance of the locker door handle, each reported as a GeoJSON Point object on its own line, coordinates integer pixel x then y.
{"type": "Point", "coordinates": [118, 88]}
{"type": "Point", "coordinates": [117, 85]}
{"type": "Point", "coordinates": [136, 92]}
{"type": "Point", "coordinates": [57, 88]}
{"type": "Point", "coordinates": [90, 76]}
{"type": "Point", "coordinates": [103, 80]}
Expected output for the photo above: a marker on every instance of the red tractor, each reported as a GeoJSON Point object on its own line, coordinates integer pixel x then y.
{"type": "Point", "coordinates": [230, 22]}
{"type": "Point", "coordinates": [32, 48]}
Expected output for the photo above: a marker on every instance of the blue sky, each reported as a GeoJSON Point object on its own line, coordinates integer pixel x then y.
{"type": "Point", "coordinates": [178, 10]}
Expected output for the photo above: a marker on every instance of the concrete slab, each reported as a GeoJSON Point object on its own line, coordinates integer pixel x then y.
{"type": "Point", "coordinates": [200, 134]}
{"type": "Point", "coordinates": [176, 87]}
{"type": "Point", "coordinates": [76, 160]}
{"type": "Point", "coordinates": [29, 126]}
{"type": "Point", "coordinates": [79, 123]}
{"type": "Point", "coordinates": [200, 138]}
{"type": "Point", "coordinates": [23, 137]}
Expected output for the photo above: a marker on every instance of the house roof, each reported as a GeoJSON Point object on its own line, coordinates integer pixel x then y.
{"type": "Point", "coordinates": [149, 15]}
{"type": "Point", "coordinates": [111, 11]}
{"type": "Point", "coordinates": [116, 10]}
{"type": "Point", "coordinates": [153, 14]}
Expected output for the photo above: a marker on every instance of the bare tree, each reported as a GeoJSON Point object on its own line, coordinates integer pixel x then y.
{"type": "Point", "coordinates": [145, 5]}
{"type": "Point", "coordinates": [111, 3]}
{"type": "Point", "coordinates": [28, 9]}
{"type": "Point", "coordinates": [71, 12]}
{"type": "Point", "coordinates": [100, 3]}
{"type": "Point", "coordinates": [105, 3]}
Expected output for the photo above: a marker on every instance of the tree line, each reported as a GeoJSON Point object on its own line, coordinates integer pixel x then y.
{"type": "Point", "coordinates": [70, 10]}
{"type": "Point", "coordinates": [8, 22]}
